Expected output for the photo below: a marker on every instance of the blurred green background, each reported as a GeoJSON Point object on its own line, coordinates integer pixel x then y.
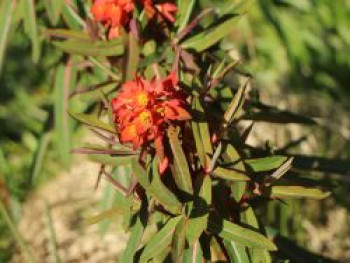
{"type": "Point", "coordinates": [297, 50]}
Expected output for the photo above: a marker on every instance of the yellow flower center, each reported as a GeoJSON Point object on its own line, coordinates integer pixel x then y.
{"type": "Point", "coordinates": [142, 99]}
{"type": "Point", "coordinates": [145, 117]}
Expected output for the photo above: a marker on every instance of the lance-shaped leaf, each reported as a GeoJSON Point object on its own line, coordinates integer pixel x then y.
{"type": "Point", "coordinates": [91, 48]}
{"type": "Point", "coordinates": [53, 10]}
{"type": "Point", "coordinates": [296, 192]}
{"type": "Point", "coordinates": [248, 218]}
{"type": "Point", "coordinates": [232, 156]}
{"type": "Point", "coordinates": [185, 11]}
{"type": "Point", "coordinates": [132, 57]}
{"type": "Point", "coordinates": [66, 34]}
{"type": "Point", "coordinates": [181, 172]}
{"type": "Point", "coordinates": [234, 232]}
{"type": "Point", "coordinates": [92, 121]}
{"type": "Point", "coordinates": [236, 104]}
{"type": "Point", "coordinates": [193, 254]}
{"type": "Point", "coordinates": [114, 211]}
{"type": "Point", "coordinates": [236, 252]}
{"type": "Point", "coordinates": [141, 174]}
{"type": "Point", "coordinates": [229, 174]}
{"type": "Point", "coordinates": [161, 193]}
{"type": "Point", "coordinates": [265, 164]}
{"type": "Point", "coordinates": [199, 212]}
{"type": "Point", "coordinates": [31, 28]}
{"type": "Point", "coordinates": [6, 11]}
{"type": "Point", "coordinates": [136, 233]}
{"type": "Point", "coordinates": [179, 240]}
{"type": "Point", "coordinates": [203, 126]}
{"type": "Point", "coordinates": [210, 36]}
{"type": "Point", "coordinates": [197, 134]}
{"type": "Point", "coordinates": [160, 241]}
{"type": "Point", "coordinates": [111, 160]}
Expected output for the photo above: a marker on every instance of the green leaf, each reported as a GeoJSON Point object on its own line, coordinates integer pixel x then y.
{"type": "Point", "coordinates": [92, 121]}
{"type": "Point", "coordinates": [134, 242]}
{"type": "Point", "coordinates": [31, 28]}
{"type": "Point", "coordinates": [162, 194]}
{"type": "Point", "coordinates": [91, 48]}
{"type": "Point", "coordinates": [114, 211]}
{"type": "Point", "coordinates": [71, 18]}
{"type": "Point", "coordinates": [236, 104]}
{"type": "Point", "coordinates": [198, 217]}
{"type": "Point", "coordinates": [39, 156]}
{"type": "Point", "coordinates": [211, 36]}
{"type": "Point", "coordinates": [236, 252]}
{"type": "Point", "coordinates": [141, 174]}
{"type": "Point", "coordinates": [185, 11]}
{"type": "Point", "coordinates": [193, 254]}
{"type": "Point", "coordinates": [62, 131]}
{"type": "Point", "coordinates": [179, 240]}
{"type": "Point", "coordinates": [197, 136]}
{"type": "Point", "coordinates": [236, 233]}
{"type": "Point", "coordinates": [132, 57]}
{"type": "Point", "coordinates": [6, 10]}
{"type": "Point", "coordinates": [232, 156]}
{"type": "Point", "coordinates": [112, 160]}
{"type": "Point", "coordinates": [160, 241]}
{"type": "Point", "coordinates": [53, 10]}
{"type": "Point", "coordinates": [265, 164]}
{"type": "Point", "coordinates": [52, 235]}
{"type": "Point", "coordinates": [231, 175]}
{"type": "Point", "coordinates": [296, 192]}
{"type": "Point", "coordinates": [26, 250]}
{"type": "Point", "coordinates": [181, 172]}
{"type": "Point", "coordinates": [66, 33]}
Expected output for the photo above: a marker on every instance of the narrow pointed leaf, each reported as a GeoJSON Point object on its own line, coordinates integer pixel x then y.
{"type": "Point", "coordinates": [91, 48]}
{"type": "Point", "coordinates": [160, 241]}
{"type": "Point", "coordinates": [31, 27]}
{"type": "Point", "coordinates": [132, 58]}
{"type": "Point", "coordinates": [6, 11]}
{"type": "Point", "coordinates": [136, 233]}
{"type": "Point", "coordinates": [112, 161]}
{"type": "Point", "coordinates": [211, 36]}
{"type": "Point", "coordinates": [92, 121]}
{"type": "Point", "coordinates": [162, 194]}
{"type": "Point", "coordinates": [53, 10]}
{"type": "Point", "coordinates": [232, 156]}
{"type": "Point", "coordinates": [181, 174]}
{"type": "Point", "coordinates": [66, 34]}
{"type": "Point", "coordinates": [265, 164]}
{"type": "Point", "coordinates": [179, 240]}
{"type": "Point", "coordinates": [236, 252]}
{"type": "Point", "coordinates": [241, 235]}
{"type": "Point", "coordinates": [193, 254]}
{"type": "Point", "coordinates": [229, 174]}
{"type": "Point", "coordinates": [296, 192]}
{"type": "Point", "coordinates": [185, 11]}
{"type": "Point", "coordinates": [198, 217]}
{"type": "Point", "coordinates": [236, 104]}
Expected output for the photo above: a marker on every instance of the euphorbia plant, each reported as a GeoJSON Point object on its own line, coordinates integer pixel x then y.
{"type": "Point", "coordinates": [173, 121]}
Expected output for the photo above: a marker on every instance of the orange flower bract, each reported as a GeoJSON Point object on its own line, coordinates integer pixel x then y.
{"type": "Point", "coordinates": [115, 14]}
{"type": "Point", "coordinates": [143, 110]}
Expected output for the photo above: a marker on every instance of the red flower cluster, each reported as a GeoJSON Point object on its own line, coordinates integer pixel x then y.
{"type": "Point", "coordinates": [115, 14]}
{"type": "Point", "coordinates": [144, 109]}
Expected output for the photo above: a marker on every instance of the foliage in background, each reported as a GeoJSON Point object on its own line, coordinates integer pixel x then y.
{"type": "Point", "coordinates": [34, 119]}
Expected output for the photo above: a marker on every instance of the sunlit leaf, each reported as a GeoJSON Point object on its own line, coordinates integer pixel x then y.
{"type": "Point", "coordinates": [266, 163]}
{"type": "Point", "coordinates": [230, 174]}
{"type": "Point", "coordinates": [6, 9]}
{"type": "Point", "coordinates": [297, 192]}
{"type": "Point", "coordinates": [91, 48]}
{"type": "Point", "coordinates": [211, 36]}
{"type": "Point", "coordinates": [92, 121]}
{"type": "Point", "coordinates": [241, 235]}
{"type": "Point", "coordinates": [179, 240]}
{"type": "Point", "coordinates": [160, 241]}
{"type": "Point", "coordinates": [181, 173]}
